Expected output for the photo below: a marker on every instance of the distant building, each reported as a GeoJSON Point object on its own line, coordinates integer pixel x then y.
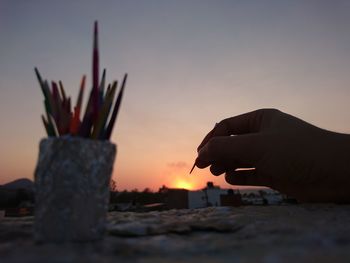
{"type": "Point", "coordinates": [231, 198]}
{"type": "Point", "coordinates": [253, 199]}
{"type": "Point", "coordinates": [262, 197]}
{"type": "Point", "coordinates": [274, 198]}
{"type": "Point", "coordinates": [209, 196]}
{"type": "Point", "coordinates": [176, 198]}
{"type": "Point", "coordinates": [213, 195]}
{"type": "Point", "coordinates": [19, 212]}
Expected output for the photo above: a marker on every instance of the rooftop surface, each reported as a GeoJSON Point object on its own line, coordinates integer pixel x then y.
{"type": "Point", "coordinates": [303, 233]}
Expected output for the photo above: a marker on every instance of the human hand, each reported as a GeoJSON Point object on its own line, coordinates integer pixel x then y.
{"type": "Point", "coordinates": [281, 152]}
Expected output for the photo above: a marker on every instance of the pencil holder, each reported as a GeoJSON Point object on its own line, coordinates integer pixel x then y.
{"type": "Point", "coordinates": [76, 160]}
{"type": "Point", "coordinates": [72, 189]}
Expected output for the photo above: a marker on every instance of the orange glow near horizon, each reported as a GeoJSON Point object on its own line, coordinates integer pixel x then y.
{"type": "Point", "coordinates": [183, 184]}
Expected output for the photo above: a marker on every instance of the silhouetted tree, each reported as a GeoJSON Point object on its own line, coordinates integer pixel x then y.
{"type": "Point", "coordinates": [147, 190]}
{"type": "Point", "coordinates": [163, 189]}
{"type": "Point", "coordinates": [112, 186]}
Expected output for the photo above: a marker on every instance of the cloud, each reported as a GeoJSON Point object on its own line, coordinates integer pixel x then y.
{"type": "Point", "coordinates": [178, 165]}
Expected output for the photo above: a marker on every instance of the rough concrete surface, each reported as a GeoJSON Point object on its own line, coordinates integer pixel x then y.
{"type": "Point", "coordinates": [293, 233]}
{"type": "Point", "coordinates": [72, 194]}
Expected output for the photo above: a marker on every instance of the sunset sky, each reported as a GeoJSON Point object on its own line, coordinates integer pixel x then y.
{"type": "Point", "coordinates": [190, 64]}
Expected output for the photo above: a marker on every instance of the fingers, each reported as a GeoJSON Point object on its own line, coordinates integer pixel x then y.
{"type": "Point", "coordinates": [250, 122]}
{"type": "Point", "coordinates": [217, 169]}
{"type": "Point", "coordinates": [245, 177]}
{"type": "Point", "coordinates": [220, 168]}
{"type": "Point", "coordinates": [230, 151]}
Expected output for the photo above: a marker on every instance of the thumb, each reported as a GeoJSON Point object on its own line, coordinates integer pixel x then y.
{"type": "Point", "coordinates": [245, 177]}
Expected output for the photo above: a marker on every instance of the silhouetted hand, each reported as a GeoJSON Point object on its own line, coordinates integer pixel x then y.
{"type": "Point", "coordinates": [286, 154]}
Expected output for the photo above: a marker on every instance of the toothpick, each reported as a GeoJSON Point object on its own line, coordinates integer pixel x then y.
{"type": "Point", "coordinates": [194, 165]}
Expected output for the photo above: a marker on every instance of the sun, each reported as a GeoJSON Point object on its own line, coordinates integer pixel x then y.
{"type": "Point", "coordinates": [182, 184]}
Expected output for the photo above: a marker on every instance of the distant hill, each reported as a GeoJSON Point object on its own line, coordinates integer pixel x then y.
{"type": "Point", "coordinates": [22, 183]}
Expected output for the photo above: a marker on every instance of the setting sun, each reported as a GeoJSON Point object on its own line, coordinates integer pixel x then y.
{"type": "Point", "coordinates": [183, 184]}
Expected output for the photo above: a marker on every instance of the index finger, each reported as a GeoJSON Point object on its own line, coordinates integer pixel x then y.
{"type": "Point", "coordinates": [231, 150]}
{"type": "Point", "coordinates": [240, 124]}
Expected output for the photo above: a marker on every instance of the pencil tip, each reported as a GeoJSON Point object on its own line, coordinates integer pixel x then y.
{"type": "Point", "coordinates": [194, 165]}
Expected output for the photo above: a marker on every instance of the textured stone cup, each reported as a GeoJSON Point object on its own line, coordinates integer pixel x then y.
{"type": "Point", "coordinates": [72, 189]}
